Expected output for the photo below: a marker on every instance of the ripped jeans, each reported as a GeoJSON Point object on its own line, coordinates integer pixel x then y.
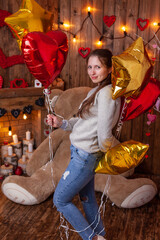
{"type": "Point", "coordinates": [79, 179]}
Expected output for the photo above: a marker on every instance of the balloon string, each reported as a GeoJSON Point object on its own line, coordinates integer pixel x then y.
{"type": "Point", "coordinates": [100, 210]}
{"type": "Point", "coordinates": [120, 122]}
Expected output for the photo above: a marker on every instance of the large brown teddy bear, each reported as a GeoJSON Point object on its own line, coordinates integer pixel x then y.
{"type": "Point", "coordinates": [44, 174]}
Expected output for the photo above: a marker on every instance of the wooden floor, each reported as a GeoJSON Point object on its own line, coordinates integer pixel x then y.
{"type": "Point", "coordinates": [41, 222]}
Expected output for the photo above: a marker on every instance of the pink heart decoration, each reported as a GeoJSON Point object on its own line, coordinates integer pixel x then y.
{"type": "Point", "coordinates": [140, 21]}
{"type": "Point", "coordinates": [109, 20]}
{"type": "Point", "coordinates": [151, 118]}
{"type": "Point", "coordinates": [84, 52]}
{"type": "Point", "coordinates": [157, 105]}
{"type": "Point", "coordinates": [1, 81]}
{"type": "Point", "coordinates": [45, 54]}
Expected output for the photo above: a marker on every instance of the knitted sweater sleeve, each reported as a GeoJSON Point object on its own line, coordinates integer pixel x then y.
{"type": "Point", "coordinates": [108, 114]}
{"type": "Point", "coordinates": [67, 125]}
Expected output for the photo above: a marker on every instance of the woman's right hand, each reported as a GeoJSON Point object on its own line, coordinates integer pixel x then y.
{"type": "Point", "coordinates": [54, 121]}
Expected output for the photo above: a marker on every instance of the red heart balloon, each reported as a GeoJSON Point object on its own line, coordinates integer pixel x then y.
{"type": "Point", "coordinates": [1, 81]}
{"type": "Point", "coordinates": [144, 101]}
{"type": "Point", "coordinates": [45, 54]}
{"type": "Point", "coordinates": [84, 52]}
{"type": "Point", "coordinates": [139, 21]}
{"type": "Point", "coordinates": [109, 20]}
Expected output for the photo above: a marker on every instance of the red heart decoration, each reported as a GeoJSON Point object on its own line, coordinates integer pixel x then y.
{"type": "Point", "coordinates": [10, 61]}
{"type": "Point", "coordinates": [109, 20]}
{"type": "Point", "coordinates": [148, 134]}
{"type": "Point", "coordinates": [45, 54]}
{"type": "Point", "coordinates": [1, 81]}
{"type": "Point", "coordinates": [3, 15]}
{"type": "Point", "coordinates": [84, 52]}
{"type": "Point", "coordinates": [145, 100]}
{"type": "Point", "coordinates": [18, 83]}
{"type": "Point", "coordinates": [139, 21]}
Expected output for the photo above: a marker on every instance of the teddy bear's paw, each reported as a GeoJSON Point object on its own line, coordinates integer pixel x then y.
{"type": "Point", "coordinates": [139, 197]}
{"type": "Point", "coordinates": [18, 194]}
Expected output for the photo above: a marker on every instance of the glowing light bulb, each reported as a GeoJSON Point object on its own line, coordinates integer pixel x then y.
{"type": "Point", "coordinates": [74, 39]}
{"type": "Point", "coordinates": [24, 116]}
{"type": "Point", "coordinates": [99, 43]}
{"type": "Point", "coordinates": [66, 25]}
{"type": "Point", "coordinates": [89, 9]}
{"type": "Point", "coordinates": [10, 131]}
{"type": "Point", "coordinates": [155, 24]}
{"type": "Point", "coordinates": [123, 28]}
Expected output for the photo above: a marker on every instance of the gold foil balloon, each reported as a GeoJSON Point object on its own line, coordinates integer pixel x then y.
{"type": "Point", "coordinates": [122, 157]}
{"type": "Point", "coordinates": [29, 18]}
{"type": "Point", "coordinates": [131, 70]}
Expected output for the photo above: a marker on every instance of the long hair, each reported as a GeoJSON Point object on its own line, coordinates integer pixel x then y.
{"type": "Point", "coordinates": [105, 57]}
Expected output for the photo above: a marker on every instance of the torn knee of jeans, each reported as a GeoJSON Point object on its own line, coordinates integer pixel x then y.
{"type": "Point", "coordinates": [84, 198]}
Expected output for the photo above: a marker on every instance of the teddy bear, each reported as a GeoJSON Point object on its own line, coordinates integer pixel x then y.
{"type": "Point", "coordinates": [52, 156]}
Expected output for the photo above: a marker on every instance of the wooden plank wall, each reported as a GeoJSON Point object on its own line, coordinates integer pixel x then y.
{"type": "Point", "coordinates": [74, 71]}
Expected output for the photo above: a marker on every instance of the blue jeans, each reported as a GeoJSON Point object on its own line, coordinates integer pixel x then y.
{"type": "Point", "coordinates": [79, 179]}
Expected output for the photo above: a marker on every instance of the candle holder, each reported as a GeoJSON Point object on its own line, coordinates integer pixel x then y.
{"type": "Point", "coordinates": [17, 149]}
{"type": "Point", "coordinates": [11, 159]}
{"type": "Point", "coordinates": [26, 143]}
{"type": "Point", "coordinates": [6, 170]}
{"type": "Point", "coordinates": [22, 162]}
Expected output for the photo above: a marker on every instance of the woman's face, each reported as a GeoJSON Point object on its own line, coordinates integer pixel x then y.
{"type": "Point", "coordinates": [96, 70]}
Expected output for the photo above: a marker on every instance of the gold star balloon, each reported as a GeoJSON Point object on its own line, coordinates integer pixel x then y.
{"type": "Point", "coordinates": [131, 70]}
{"type": "Point", "coordinates": [122, 157]}
{"type": "Point", "coordinates": [29, 18]}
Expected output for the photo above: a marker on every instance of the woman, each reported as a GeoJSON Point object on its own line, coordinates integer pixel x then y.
{"type": "Point", "coordinates": [91, 137]}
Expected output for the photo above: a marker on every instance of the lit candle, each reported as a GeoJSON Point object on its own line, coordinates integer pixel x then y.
{"type": "Point", "coordinates": [15, 138]}
{"type": "Point", "coordinates": [30, 147]}
{"type": "Point", "coordinates": [10, 150]}
{"type": "Point", "coordinates": [28, 135]}
{"type": "Point", "coordinates": [23, 158]}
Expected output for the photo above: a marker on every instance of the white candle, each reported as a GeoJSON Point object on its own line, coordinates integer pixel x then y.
{"type": "Point", "coordinates": [28, 135]}
{"type": "Point", "coordinates": [10, 150]}
{"type": "Point", "coordinates": [15, 138]}
{"type": "Point", "coordinates": [30, 147]}
{"type": "Point", "coordinates": [23, 158]}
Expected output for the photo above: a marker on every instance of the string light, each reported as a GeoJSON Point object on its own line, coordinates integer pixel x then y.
{"type": "Point", "coordinates": [156, 24]}
{"type": "Point", "coordinates": [66, 25]}
{"type": "Point", "coordinates": [89, 11]}
{"type": "Point", "coordinates": [74, 38]}
{"type": "Point", "coordinates": [10, 131]}
{"type": "Point", "coordinates": [24, 116]}
{"type": "Point", "coordinates": [99, 43]}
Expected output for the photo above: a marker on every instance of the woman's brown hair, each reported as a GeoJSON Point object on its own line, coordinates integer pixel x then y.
{"type": "Point", "coordinates": [105, 57]}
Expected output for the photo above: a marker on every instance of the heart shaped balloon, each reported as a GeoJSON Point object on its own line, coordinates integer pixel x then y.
{"type": "Point", "coordinates": [144, 101]}
{"type": "Point", "coordinates": [45, 54]}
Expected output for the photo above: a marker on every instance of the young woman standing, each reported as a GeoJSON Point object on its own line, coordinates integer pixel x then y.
{"type": "Point", "coordinates": [90, 138]}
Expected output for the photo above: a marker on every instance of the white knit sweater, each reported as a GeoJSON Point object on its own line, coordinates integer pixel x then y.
{"type": "Point", "coordinates": [94, 132]}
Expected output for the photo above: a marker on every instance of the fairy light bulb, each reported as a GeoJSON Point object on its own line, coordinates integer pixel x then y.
{"type": "Point", "coordinates": [99, 43]}
{"type": "Point", "coordinates": [156, 24]}
{"type": "Point", "coordinates": [10, 131]}
{"type": "Point", "coordinates": [24, 116]}
{"type": "Point", "coordinates": [74, 38]}
{"type": "Point", "coordinates": [123, 29]}
{"type": "Point", "coordinates": [89, 10]}
{"type": "Point", "coordinates": [66, 25]}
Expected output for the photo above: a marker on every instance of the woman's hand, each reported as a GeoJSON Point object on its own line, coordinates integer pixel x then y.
{"type": "Point", "coordinates": [54, 121]}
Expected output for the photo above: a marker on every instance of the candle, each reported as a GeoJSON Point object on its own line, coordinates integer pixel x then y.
{"type": "Point", "coordinates": [28, 135]}
{"type": "Point", "coordinates": [10, 151]}
{"type": "Point", "coordinates": [23, 158]}
{"type": "Point", "coordinates": [30, 147]}
{"type": "Point", "coordinates": [15, 138]}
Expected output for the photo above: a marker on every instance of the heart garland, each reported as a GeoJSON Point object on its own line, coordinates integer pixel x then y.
{"type": "Point", "coordinates": [6, 62]}
{"type": "Point", "coordinates": [39, 102]}
{"type": "Point", "coordinates": [139, 22]}
{"type": "Point", "coordinates": [151, 118]}
{"type": "Point", "coordinates": [28, 109]}
{"type": "Point", "coordinates": [2, 112]}
{"type": "Point", "coordinates": [84, 52]}
{"type": "Point", "coordinates": [109, 20]}
{"type": "Point", "coordinates": [15, 112]}
{"type": "Point", "coordinates": [23, 84]}
{"type": "Point", "coordinates": [1, 81]}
